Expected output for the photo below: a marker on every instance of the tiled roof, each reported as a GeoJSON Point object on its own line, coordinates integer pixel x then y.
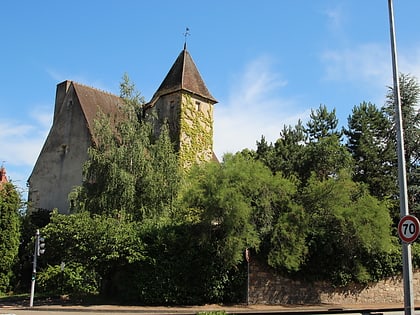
{"type": "Point", "coordinates": [91, 100]}
{"type": "Point", "coordinates": [183, 75]}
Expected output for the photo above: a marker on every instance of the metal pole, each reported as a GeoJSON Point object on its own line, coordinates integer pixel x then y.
{"type": "Point", "coordinates": [31, 301]}
{"type": "Point", "coordinates": [247, 275]}
{"type": "Point", "coordinates": [247, 285]}
{"type": "Point", "coordinates": [402, 177]}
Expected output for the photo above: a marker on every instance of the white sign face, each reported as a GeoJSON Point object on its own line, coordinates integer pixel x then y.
{"type": "Point", "coordinates": [409, 228]}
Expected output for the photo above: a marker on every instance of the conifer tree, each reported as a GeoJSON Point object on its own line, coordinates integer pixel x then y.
{"type": "Point", "coordinates": [410, 97]}
{"type": "Point", "coordinates": [369, 142]}
{"type": "Point", "coordinates": [325, 155]}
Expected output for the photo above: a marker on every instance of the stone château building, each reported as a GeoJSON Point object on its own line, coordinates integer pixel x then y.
{"type": "Point", "coordinates": [182, 100]}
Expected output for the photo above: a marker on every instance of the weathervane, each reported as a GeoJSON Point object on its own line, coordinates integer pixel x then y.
{"type": "Point", "coordinates": [187, 33]}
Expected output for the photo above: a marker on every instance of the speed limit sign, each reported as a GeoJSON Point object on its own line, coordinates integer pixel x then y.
{"type": "Point", "coordinates": [408, 228]}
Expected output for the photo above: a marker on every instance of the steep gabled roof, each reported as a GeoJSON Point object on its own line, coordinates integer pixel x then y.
{"type": "Point", "coordinates": [92, 100]}
{"type": "Point", "coordinates": [183, 75]}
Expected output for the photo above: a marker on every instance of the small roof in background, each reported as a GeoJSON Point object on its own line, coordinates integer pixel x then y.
{"type": "Point", "coordinates": [3, 177]}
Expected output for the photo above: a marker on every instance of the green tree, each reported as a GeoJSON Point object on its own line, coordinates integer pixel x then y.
{"type": "Point", "coordinates": [242, 204]}
{"type": "Point", "coordinates": [216, 194]}
{"type": "Point", "coordinates": [289, 149]}
{"type": "Point", "coordinates": [324, 154]}
{"type": "Point", "coordinates": [326, 158]}
{"type": "Point", "coordinates": [129, 169]}
{"type": "Point", "coordinates": [286, 155]}
{"type": "Point", "coordinates": [100, 245]}
{"type": "Point", "coordinates": [410, 95]}
{"type": "Point", "coordinates": [10, 203]}
{"type": "Point", "coordinates": [321, 124]}
{"type": "Point", "coordinates": [349, 229]}
{"type": "Point", "coordinates": [266, 154]}
{"type": "Point", "coordinates": [372, 150]}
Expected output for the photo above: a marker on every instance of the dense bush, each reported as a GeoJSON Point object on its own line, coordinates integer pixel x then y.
{"type": "Point", "coordinates": [73, 278]}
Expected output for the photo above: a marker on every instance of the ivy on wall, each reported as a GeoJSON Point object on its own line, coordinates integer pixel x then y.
{"type": "Point", "coordinates": [196, 136]}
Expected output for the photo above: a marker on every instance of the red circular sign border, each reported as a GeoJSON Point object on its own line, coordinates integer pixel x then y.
{"type": "Point", "coordinates": [416, 235]}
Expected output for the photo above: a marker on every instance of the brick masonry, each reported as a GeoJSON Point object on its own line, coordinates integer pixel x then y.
{"type": "Point", "coordinates": [267, 287]}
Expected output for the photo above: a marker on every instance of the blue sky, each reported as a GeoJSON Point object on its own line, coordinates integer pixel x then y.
{"type": "Point", "coordinates": [267, 62]}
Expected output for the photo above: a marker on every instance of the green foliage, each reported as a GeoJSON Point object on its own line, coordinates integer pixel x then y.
{"type": "Point", "coordinates": [129, 170]}
{"type": "Point", "coordinates": [287, 154]}
{"type": "Point", "coordinates": [325, 158]}
{"type": "Point", "coordinates": [345, 232]}
{"type": "Point", "coordinates": [196, 133]}
{"type": "Point", "coordinates": [372, 149]}
{"type": "Point", "coordinates": [289, 249]}
{"type": "Point", "coordinates": [324, 155]}
{"type": "Point", "coordinates": [410, 96]}
{"type": "Point", "coordinates": [322, 124]}
{"type": "Point", "coordinates": [348, 228]}
{"type": "Point", "coordinates": [9, 233]}
{"type": "Point", "coordinates": [222, 197]}
{"type": "Point", "coordinates": [245, 205]}
{"type": "Point", "coordinates": [74, 279]}
{"type": "Point", "coordinates": [182, 268]}
{"type": "Point", "coordinates": [103, 245]}
{"type": "Point", "coordinates": [142, 231]}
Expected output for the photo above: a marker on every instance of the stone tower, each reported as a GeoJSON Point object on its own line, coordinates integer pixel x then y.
{"type": "Point", "coordinates": [184, 101]}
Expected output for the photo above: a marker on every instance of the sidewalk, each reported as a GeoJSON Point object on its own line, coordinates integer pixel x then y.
{"type": "Point", "coordinates": [234, 309]}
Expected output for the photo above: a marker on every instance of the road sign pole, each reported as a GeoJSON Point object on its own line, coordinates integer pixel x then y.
{"type": "Point", "coordinates": [402, 180]}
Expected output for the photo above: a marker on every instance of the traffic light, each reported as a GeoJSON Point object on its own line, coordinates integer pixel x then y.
{"type": "Point", "coordinates": [41, 246]}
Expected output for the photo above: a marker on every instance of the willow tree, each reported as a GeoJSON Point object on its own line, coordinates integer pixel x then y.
{"type": "Point", "coordinates": [130, 170]}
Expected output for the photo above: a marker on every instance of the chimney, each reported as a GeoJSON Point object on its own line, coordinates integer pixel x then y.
{"type": "Point", "coordinates": [3, 177]}
{"type": "Point", "coordinates": [60, 94]}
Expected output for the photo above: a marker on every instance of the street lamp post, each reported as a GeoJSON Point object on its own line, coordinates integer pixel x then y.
{"type": "Point", "coordinates": [402, 177]}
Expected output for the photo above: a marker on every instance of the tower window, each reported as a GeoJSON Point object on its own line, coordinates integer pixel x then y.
{"type": "Point", "coordinates": [198, 106]}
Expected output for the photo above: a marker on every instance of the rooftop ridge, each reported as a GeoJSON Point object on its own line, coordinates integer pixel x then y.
{"type": "Point", "coordinates": [94, 88]}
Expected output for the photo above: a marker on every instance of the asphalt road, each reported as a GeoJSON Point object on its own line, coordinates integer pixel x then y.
{"type": "Point", "coordinates": [246, 310]}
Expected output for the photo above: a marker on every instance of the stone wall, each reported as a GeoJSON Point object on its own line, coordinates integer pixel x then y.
{"type": "Point", "coordinates": [266, 287]}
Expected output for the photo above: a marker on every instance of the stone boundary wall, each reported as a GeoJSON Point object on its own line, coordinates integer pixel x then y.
{"type": "Point", "coordinates": [266, 287]}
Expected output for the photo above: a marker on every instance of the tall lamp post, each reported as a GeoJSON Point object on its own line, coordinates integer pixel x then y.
{"type": "Point", "coordinates": [402, 177]}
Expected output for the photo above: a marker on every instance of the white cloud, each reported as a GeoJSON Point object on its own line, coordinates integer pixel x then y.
{"type": "Point", "coordinates": [362, 63]}
{"type": "Point", "coordinates": [370, 66]}
{"type": "Point", "coordinates": [334, 19]}
{"type": "Point", "coordinates": [254, 108]}
{"type": "Point", "coordinates": [79, 78]}
{"type": "Point", "coordinates": [22, 142]}
{"type": "Point", "coordinates": [409, 62]}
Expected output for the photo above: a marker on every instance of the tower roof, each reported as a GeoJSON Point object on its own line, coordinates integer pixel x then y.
{"type": "Point", "coordinates": [183, 75]}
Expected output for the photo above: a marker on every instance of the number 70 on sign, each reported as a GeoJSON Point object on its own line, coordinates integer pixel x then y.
{"type": "Point", "coordinates": [409, 228]}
